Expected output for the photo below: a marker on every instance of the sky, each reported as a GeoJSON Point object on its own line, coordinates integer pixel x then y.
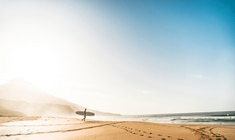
{"type": "Point", "coordinates": [124, 56]}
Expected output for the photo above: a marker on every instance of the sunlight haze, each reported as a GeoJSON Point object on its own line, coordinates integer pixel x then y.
{"type": "Point", "coordinates": [128, 57]}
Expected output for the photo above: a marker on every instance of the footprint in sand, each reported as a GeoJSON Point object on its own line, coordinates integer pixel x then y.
{"type": "Point", "coordinates": [141, 135]}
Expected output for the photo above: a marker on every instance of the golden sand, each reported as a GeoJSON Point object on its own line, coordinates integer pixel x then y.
{"type": "Point", "coordinates": [51, 128]}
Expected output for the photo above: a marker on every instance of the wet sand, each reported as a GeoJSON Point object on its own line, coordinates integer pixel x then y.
{"type": "Point", "coordinates": [48, 128]}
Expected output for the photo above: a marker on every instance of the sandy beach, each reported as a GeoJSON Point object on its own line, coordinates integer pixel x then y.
{"type": "Point", "coordinates": [134, 69]}
{"type": "Point", "coordinates": [47, 128]}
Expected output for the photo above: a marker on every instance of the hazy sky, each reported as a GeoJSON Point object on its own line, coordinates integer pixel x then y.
{"type": "Point", "coordinates": [124, 56]}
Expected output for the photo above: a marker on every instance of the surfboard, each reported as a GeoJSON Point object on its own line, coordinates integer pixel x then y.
{"type": "Point", "coordinates": [87, 113]}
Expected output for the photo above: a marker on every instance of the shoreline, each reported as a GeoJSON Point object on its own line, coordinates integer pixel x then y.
{"type": "Point", "coordinates": [74, 128]}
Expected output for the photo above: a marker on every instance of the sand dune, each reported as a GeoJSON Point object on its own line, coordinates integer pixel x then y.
{"type": "Point", "coordinates": [5, 112]}
{"type": "Point", "coordinates": [32, 109]}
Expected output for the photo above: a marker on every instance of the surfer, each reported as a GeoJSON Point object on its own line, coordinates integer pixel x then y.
{"type": "Point", "coordinates": [84, 119]}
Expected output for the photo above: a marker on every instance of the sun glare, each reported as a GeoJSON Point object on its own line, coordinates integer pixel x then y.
{"type": "Point", "coordinates": [36, 64]}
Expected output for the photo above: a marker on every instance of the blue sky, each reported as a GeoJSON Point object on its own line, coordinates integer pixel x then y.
{"type": "Point", "coordinates": [124, 56]}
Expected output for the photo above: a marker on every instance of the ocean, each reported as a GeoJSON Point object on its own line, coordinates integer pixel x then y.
{"type": "Point", "coordinates": [225, 117]}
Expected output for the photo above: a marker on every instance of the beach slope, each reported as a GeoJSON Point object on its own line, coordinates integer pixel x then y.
{"type": "Point", "coordinates": [72, 129]}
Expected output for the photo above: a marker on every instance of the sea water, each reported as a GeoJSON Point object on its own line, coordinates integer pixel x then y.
{"type": "Point", "coordinates": [226, 117]}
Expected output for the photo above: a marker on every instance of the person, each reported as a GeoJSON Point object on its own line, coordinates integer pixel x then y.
{"type": "Point", "coordinates": [84, 118]}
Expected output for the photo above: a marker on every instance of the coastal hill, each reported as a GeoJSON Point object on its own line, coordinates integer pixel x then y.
{"type": "Point", "coordinates": [20, 98]}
